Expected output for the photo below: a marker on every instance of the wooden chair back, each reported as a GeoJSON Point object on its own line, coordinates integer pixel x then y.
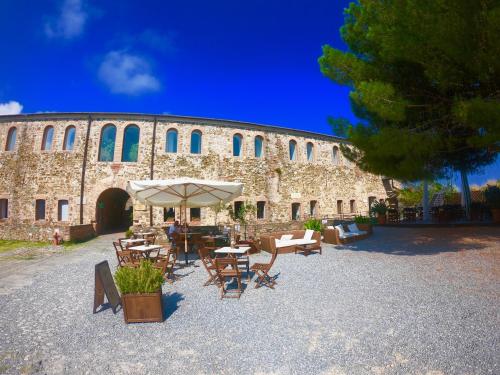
{"type": "Point", "coordinates": [123, 256]}
{"type": "Point", "coordinates": [222, 264]}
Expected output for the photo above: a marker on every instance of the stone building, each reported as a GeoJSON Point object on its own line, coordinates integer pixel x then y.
{"type": "Point", "coordinates": [69, 170]}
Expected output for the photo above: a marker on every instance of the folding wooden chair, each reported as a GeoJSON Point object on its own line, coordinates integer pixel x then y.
{"type": "Point", "coordinates": [208, 263]}
{"type": "Point", "coordinates": [166, 264]}
{"type": "Point", "coordinates": [262, 270]}
{"type": "Point", "coordinates": [125, 257]}
{"type": "Point", "coordinates": [228, 268]}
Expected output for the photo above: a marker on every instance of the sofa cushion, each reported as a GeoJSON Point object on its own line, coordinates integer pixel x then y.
{"type": "Point", "coordinates": [330, 227]}
{"type": "Point", "coordinates": [294, 242]}
{"type": "Point", "coordinates": [340, 229]}
{"type": "Point", "coordinates": [353, 228]}
{"type": "Point", "coordinates": [286, 237]}
{"type": "Point", "coordinates": [348, 235]}
{"type": "Point", "coordinates": [308, 234]}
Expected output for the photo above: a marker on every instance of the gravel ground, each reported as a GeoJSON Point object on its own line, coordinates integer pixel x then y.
{"type": "Point", "coordinates": [405, 301]}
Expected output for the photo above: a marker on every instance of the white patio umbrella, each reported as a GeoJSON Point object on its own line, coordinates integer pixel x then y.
{"type": "Point", "coordinates": [184, 192]}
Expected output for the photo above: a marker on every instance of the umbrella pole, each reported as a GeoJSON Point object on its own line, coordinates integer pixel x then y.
{"type": "Point", "coordinates": [185, 236]}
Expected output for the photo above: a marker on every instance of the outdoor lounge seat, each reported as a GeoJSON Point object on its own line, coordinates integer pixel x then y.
{"type": "Point", "coordinates": [287, 244]}
{"type": "Point", "coordinates": [339, 235]}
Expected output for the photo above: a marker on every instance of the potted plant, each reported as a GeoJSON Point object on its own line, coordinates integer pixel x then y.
{"type": "Point", "coordinates": [314, 224]}
{"type": "Point", "coordinates": [380, 209]}
{"type": "Point", "coordinates": [140, 288]}
{"type": "Point", "coordinates": [364, 223]}
{"type": "Point", "coordinates": [492, 196]}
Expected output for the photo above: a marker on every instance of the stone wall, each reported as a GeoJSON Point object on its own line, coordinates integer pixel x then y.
{"type": "Point", "coordinates": [28, 173]}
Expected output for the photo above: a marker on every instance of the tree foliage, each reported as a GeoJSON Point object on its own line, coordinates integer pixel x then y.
{"type": "Point", "coordinates": [425, 78]}
{"type": "Point", "coordinates": [412, 194]}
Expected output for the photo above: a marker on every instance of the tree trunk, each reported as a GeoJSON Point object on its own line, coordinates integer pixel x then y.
{"type": "Point", "coordinates": [466, 198]}
{"type": "Point", "coordinates": [425, 202]}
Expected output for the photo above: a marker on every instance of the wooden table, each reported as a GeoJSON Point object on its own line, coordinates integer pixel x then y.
{"type": "Point", "coordinates": [231, 251]}
{"type": "Point", "coordinates": [146, 250]}
{"type": "Point", "coordinates": [131, 241]}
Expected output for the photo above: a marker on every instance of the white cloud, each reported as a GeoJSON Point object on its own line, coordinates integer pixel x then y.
{"type": "Point", "coordinates": [125, 73]}
{"type": "Point", "coordinates": [10, 108]}
{"type": "Point", "coordinates": [69, 23]}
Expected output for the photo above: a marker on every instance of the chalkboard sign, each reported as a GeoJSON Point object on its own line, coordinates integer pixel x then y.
{"type": "Point", "coordinates": [104, 284]}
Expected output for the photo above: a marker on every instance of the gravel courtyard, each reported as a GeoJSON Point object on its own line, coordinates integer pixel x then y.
{"type": "Point", "coordinates": [405, 301]}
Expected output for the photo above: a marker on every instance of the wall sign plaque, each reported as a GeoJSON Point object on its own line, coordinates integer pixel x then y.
{"type": "Point", "coordinates": [105, 285]}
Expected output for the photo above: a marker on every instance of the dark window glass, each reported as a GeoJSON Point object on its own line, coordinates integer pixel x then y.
{"type": "Point", "coordinates": [40, 209]}
{"type": "Point", "coordinates": [107, 146]}
{"type": "Point", "coordinates": [4, 208]}
{"type": "Point", "coordinates": [130, 149]}
{"type": "Point", "coordinates": [168, 214]}
{"type": "Point", "coordinates": [196, 142]}
{"type": "Point", "coordinates": [237, 207]}
{"type": "Point", "coordinates": [352, 205]}
{"type": "Point", "coordinates": [195, 213]}
{"type": "Point", "coordinates": [335, 155]}
{"type": "Point", "coordinates": [261, 210]}
{"type": "Point", "coordinates": [171, 145]}
{"type": "Point", "coordinates": [69, 138]}
{"type": "Point", "coordinates": [295, 211]}
{"type": "Point", "coordinates": [312, 208]}
{"type": "Point", "coordinates": [237, 143]}
{"type": "Point", "coordinates": [11, 140]}
{"type": "Point", "coordinates": [48, 137]}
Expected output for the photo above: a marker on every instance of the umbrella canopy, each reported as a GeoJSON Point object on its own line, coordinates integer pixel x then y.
{"type": "Point", "coordinates": [186, 192]}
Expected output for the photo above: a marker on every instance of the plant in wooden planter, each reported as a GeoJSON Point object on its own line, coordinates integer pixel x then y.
{"type": "Point", "coordinates": [380, 209]}
{"type": "Point", "coordinates": [492, 196]}
{"type": "Point", "coordinates": [141, 293]}
{"type": "Point", "coordinates": [364, 223]}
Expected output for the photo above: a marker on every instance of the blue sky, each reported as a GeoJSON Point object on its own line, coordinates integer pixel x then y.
{"type": "Point", "coordinates": [251, 61]}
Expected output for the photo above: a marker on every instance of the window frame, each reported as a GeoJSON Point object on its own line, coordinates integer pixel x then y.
{"type": "Point", "coordinates": [4, 209]}
{"type": "Point", "coordinates": [44, 138]}
{"type": "Point", "coordinates": [294, 143]}
{"type": "Point", "coordinates": [172, 131]}
{"type": "Point", "coordinates": [297, 216]}
{"type": "Point", "coordinates": [200, 134]}
{"type": "Point", "coordinates": [261, 139]}
{"type": "Point", "coordinates": [264, 210]}
{"type": "Point", "coordinates": [310, 156]}
{"type": "Point", "coordinates": [65, 140]}
{"type": "Point", "coordinates": [127, 128]}
{"type": "Point", "coordinates": [103, 129]}
{"type": "Point", "coordinates": [10, 147]}
{"type": "Point", "coordinates": [238, 136]}
{"type": "Point", "coordinates": [194, 218]}
{"type": "Point", "coordinates": [59, 210]}
{"type": "Point", "coordinates": [335, 155]}
{"type": "Point", "coordinates": [37, 218]}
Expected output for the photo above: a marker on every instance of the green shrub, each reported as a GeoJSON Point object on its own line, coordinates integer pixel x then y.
{"type": "Point", "coordinates": [379, 208]}
{"type": "Point", "coordinates": [313, 224]}
{"type": "Point", "coordinates": [492, 195]}
{"type": "Point", "coordinates": [143, 279]}
{"type": "Point", "coordinates": [363, 220]}
{"type": "Point", "coordinates": [129, 233]}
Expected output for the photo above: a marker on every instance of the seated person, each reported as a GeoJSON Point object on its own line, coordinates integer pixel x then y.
{"type": "Point", "coordinates": [174, 228]}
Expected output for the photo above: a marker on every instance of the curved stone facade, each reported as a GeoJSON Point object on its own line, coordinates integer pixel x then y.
{"type": "Point", "coordinates": [28, 173]}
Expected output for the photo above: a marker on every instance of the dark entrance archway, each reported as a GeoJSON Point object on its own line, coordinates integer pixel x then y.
{"type": "Point", "coordinates": [113, 211]}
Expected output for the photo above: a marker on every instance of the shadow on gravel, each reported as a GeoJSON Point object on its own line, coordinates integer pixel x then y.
{"type": "Point", "coordinates": [410, 242]}
{"type": "Point", "coordinates": [170, 303]}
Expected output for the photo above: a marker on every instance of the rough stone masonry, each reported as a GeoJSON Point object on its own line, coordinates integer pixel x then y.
{"type": "Point", "coordinates": [46, 185]}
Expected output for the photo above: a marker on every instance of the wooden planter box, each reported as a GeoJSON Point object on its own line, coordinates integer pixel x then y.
{"type": "Point", "coordinates": [142, 308]}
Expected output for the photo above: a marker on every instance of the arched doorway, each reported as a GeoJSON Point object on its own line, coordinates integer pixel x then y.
{"type": "Point", "coordinates": [114, 211]}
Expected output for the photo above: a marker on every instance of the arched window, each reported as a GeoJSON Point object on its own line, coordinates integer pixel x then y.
{"type": "Point", "coordinates": [171, 145]}
{"type": "Point", "coordinates": [237, 144]}
{"type": "Point", "coordinates": [11, 139]}
{"type": "Point", "coordinates": [130, 148]}
{"type": "Point", "coordinates": [335, 155]}
{"type": "Point", "coordinates": [292, 146]}
{"type": "Point", "coordinates": [48, 137]}
{"type": "Point", "coordinates": [258, 146]}
{"type": "Point", "coordinates": [196, 142]}
{"type": "Point", "coordinates": [107, 145]}
{"type": "Point", "coordinates": [309, 150]}
{"type": "Point", "coordinates": [69, 138]}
